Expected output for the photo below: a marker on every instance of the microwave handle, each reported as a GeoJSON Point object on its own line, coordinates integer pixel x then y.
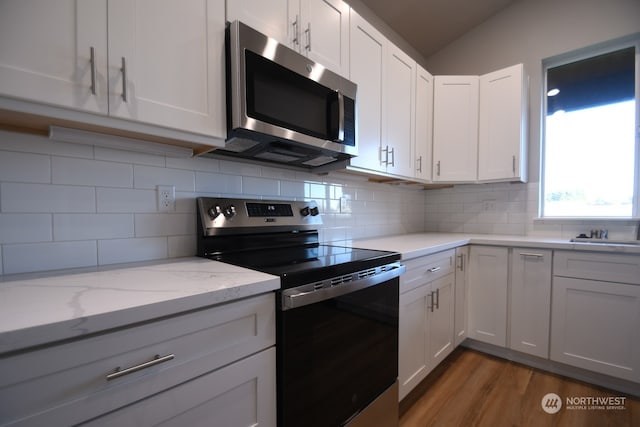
{"type": "Point", "coordinates": [338, 136]}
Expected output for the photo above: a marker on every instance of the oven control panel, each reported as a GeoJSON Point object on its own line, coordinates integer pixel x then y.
{"type": "Point", "coordinates": [216, 215]}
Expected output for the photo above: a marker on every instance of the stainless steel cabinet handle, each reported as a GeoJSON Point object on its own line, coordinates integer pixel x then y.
{"type": "Point", "coordinates": [434, 269]}
{"type": "Point", "coordinates": [155, 361]}
{"type": "Point", "coordinates": [419, 164]}
{"type": "Point", "coordinates": [92, 61]}
{"type": "Point", "coordinates": [386, 155]}
{"type": "Point", "coordinates": [393, 157]}
{"type": "Point", "coordinates": [438, 168]}
{"type": "Point", "coordinates": [124, 79]}
{"type": "Point", "coordinates": [431, 307]}
{"type": "Point", "coordinates": [461, 266]}
{"type": "Point", "coordinates": [514, 165]}
{"type": "Point", "coordinates": [531, 254]}
{"type": "Point", "coordinates": [296, 32]}
{"type": "Point", "coordinates": [308, 33]}
{"type": "Point", "coordinates": [438, 298]}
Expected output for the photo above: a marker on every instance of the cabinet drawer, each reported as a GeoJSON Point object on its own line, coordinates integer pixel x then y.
{"type": "Point", "coordinates": [619, 268]}
{"type": "Point", "coordinates": [67, 383]}
{"type": "Point", "coordinates": [427, 269]}
{"type": "Point", "coordinates": [242, 394]}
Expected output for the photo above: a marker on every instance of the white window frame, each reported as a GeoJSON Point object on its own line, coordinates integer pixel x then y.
{"type": "Point", "coordinates": [589, 52]}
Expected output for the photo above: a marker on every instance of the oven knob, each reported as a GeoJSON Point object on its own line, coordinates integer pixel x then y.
{"type": "Point", "coordinates": [215, 211]}
{"type": "Point", "coordinates": [314, 211]}
{"type": "Point", "coordinates": [305, 211]}
{"type": "Point", "coordinates": [229, 212]}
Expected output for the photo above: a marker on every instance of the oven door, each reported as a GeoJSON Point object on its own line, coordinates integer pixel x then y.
{"type": "Point", "coordinates": [337, 355]}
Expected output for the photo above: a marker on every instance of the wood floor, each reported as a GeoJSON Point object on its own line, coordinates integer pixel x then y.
{"type": "Point", "coordinates": [475, 389]}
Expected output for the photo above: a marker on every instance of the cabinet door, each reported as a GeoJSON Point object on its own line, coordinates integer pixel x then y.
{"type": "Point", "coordinates": [441, 319]}
{"type": "Point", "coordinates": [461, 294]}
{"type": "Point", "coordinates": [413, 338]}
{"type": "Point", "coordinates": [242, 394]}
{"type": "Point", "coordinates": [325, 33]}
{"type": "Point", "coordinates": [502, 126]}
{"type": "Point", "coordinates": [488, 280]}
{"type": "Point", "coordinates": [455, 128]}
{"type": "Point", "coordinates": [166, 63]}
{"type": "Point", "coordinates": [271, 17]}
{"type": "Point", "coordinates": [423, 125]}
{"type": "Point", "coordinates": [399, 114]}
{"type": "Point", "coordinates": [595, 326]}
{"type": "Point", "coordinates": [45, 52]}
{"type": "Point", "coordinates": [530, 301]}
{"type": "Point", "coordinates": [367, 52]}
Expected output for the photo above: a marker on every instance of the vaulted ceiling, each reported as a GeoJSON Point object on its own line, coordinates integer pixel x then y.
{"type": "Point", "coordinates": [429, 25]}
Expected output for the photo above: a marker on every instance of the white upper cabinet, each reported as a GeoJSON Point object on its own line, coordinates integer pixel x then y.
{"type": "Point", "coordinates": [268, 17]}
{"type": "Point", "coordinates": [386, 79]}
{"type": "Point", "coordinates": [423, 125]}
{"type": "Point", "coordinates": [55, 52]}
{"type": "Point", "coordinates": [318, 29]}
{"type": "Point", "coordinates": [502, 128]}
{"type": "Point", "coordinates": [367, 53]}
{"type": "Point", "coordinates": [324, 33]}
{"type": "Point", "coordinates": [166, 63]}
{"type": "Point", "coordinates": [399, 113]}
{"type": "Point", "coordinates": [151, 62]}
{"type": "Point", "coordinates": [455, 128]}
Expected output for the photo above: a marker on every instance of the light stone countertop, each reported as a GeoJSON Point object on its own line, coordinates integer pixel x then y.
{"type": "Point", "coordinates": [42, 308]}
{"type": "Point", "coordinates": [421, 244]}
{"type": "Point", "coordinates": [46, 307]}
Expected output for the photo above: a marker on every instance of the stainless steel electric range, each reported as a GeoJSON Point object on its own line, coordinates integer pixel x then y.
{"type": "Point", "coordinates": [337, 310]}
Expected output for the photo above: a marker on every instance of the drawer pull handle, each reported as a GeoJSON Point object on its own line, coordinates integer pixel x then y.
{"type": "Point", "coordinates": [433, 269]}
{"type": "Point", "coordinates": [531, 254]}
{"type": "Point", "coordinates": [155, 361]}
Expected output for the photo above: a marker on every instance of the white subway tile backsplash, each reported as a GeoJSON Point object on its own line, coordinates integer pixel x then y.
{"type": "Point", "coordinates": [101, 206]}
{"type": "Point", "coordinates": [92, 226]}
{"type": "Point", "coordinates": [180, 246]}
{"type": "Point", "coordinates": [70, 171]}
{"type": "Point", "coordinates": [23, 258]}
{"type": "Point", "coordinates": [202, 164]}
{"type": "Point", "coordinates": [134, 157]}
{"type": "Point", "coordinates": [217, 183]}
{"type": "Point", "coordinates": [24, 167]}
{"type": "Point", "coordinates": [150, 177]}
{"type": "Point", "coordinates": [131, 250]}
{"type": "Point", "coordinates": [260, 187]}
{"type": "Point", "coordinates": [26, 143]}
{"type": "Point", "coordinates": [165, 224]}
{"type": "Point", "coordinates": [117, 200]}
{"type": "Point", "coordinates": [42, 198]}
{"type": "Point", "coordinates": [25, 228]}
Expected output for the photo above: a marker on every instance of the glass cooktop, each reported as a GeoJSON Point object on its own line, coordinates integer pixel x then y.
{"type": "Point", "coordinates": [301, 265]}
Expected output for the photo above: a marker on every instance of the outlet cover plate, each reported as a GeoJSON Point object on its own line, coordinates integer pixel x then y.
{"type": "Point", "coordinates": [166, 198]}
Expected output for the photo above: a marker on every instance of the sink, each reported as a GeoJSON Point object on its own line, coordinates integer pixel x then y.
{"type": "Point", "coordinates": [605, 241]}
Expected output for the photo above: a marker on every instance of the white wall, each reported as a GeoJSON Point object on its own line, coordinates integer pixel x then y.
{"type": "Point", "coordinates": [528, 32]}
{"type": "Point", "coordinates": [68, 205]}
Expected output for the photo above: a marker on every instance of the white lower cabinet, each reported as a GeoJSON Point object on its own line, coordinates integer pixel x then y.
{"type": "Point", "coordinates": [595, 322]}
{"type": "Point", "coordinates": [530, 301]}
{"type": "Point", "coordinates": [212, 364]}
{"type": "Point", "coordinates": [488, 283]}
{"type": "Point", "coordinates": [461, 295]}
{"type": "Point", "coordinates": [242, 394]}
{"type": "Point", "coordinates": [426, 317]}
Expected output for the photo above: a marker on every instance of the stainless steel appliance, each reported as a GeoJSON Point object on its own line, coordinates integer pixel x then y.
{"type": "Point", "coordinates": [337, 310]}
{"type": "Point", "coordinates": [283, 107]}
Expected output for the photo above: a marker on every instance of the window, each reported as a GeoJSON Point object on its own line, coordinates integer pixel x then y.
{"type": "Point", "coordinates": [590, 154]}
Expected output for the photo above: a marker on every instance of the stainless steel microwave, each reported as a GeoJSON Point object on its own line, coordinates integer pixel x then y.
{"type": "Point", "coordinates": [284, 108]}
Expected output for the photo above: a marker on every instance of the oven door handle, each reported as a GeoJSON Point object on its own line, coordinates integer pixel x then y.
{"type": "Point", "coordinates": [307, 294]}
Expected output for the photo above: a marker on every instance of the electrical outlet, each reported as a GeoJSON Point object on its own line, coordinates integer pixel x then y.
{"type": "Point", "coordinates": [166, 198]}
